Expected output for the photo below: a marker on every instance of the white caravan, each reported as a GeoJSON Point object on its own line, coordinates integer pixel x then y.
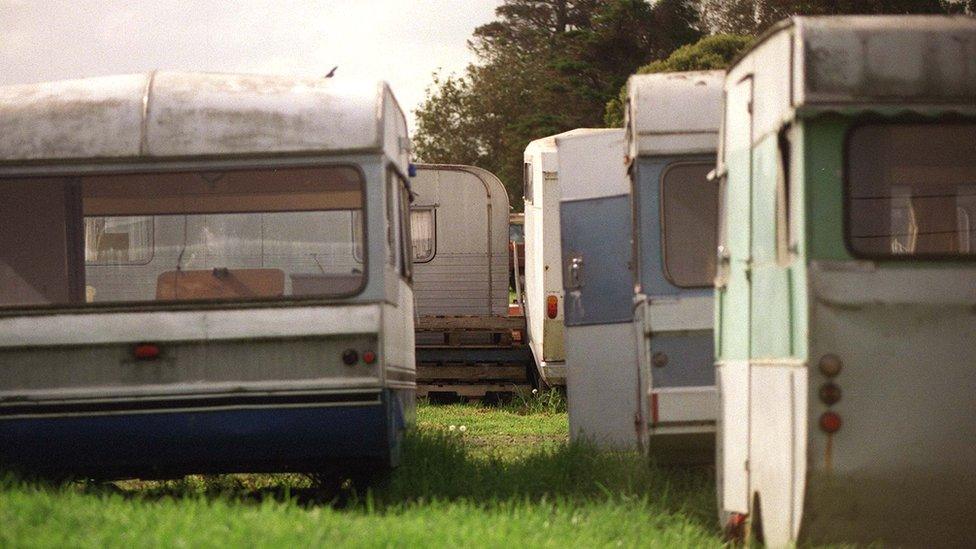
{"type": "Point", "coordinates": [672, 123]}
{"type": "Point", "coordinates": [605, 389]}
{"type": "Point", "coordinates": [204, 273]}
{"type": "Point", "coordinates": [543, 291]}
{"type": "Point", "coordinates": [459, 224]}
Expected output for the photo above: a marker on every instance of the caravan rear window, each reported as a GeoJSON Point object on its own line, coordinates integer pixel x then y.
{"type": "Point", "coordinates": [689, 214]}
{"type": "Point", "coordinates": [187, 236]}
{"type": "Point", "coordinates": [911, 190]}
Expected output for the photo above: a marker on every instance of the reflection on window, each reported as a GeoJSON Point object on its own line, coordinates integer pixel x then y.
{"type": "Point", "coordinates": [232, 235]}
{"type": "Point", "coordinates": [689, 215]}
{"type": "Point", "coordinates": [423, 234]}
{"type": "Point", "coordinates": [118, 240]}
{"type": "Point", "coordinates": [911, 189]}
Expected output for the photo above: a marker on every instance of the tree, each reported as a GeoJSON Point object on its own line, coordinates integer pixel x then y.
{"type": "Point", "coordinates": [710, 53]}
{"type": "Point", "coordinates": [543, 67]}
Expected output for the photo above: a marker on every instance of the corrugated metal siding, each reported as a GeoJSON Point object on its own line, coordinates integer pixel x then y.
{"type": "Point", "coordinates": [458, 281]}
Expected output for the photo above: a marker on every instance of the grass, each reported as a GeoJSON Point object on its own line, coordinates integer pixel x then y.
{"type": "Point", "coordinates": [509, 478]}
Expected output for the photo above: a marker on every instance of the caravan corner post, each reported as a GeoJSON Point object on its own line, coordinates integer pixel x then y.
{"type": "Point", "coordinates": [203, 273]}
{"type": "Point", "coordinates": [846, 283]}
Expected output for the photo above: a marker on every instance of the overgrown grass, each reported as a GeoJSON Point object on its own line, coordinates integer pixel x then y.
{"type": "Point", "coordinates": [510, 477]}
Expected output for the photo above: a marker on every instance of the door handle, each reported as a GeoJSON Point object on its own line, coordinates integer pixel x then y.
{"type": "Point", "coordinates": [574, 272]}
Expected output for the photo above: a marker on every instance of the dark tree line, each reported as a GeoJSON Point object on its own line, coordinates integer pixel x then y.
{"type": "Point", "coordinates": [547, 66]}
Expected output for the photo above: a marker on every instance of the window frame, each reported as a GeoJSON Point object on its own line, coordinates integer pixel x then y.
{"type": "Point", "coordinates": [433, 212]}
{"type": "Point", "coordinates": [72, 176]}
{"type": "Point", "coordinates": [947, 119]}
{"type": "Point", "coordinates": [663, 225]}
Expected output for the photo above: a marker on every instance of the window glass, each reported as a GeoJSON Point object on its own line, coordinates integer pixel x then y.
{"type": "Point", "coordinates": [688, 218]}
{"type": "Point", "coordinates": [230, 235]}
{"type": "Point", "coordinates": [423, 233]}
{"type": "Point", "coordinates": [118, 240]}
{"type": "Point", "coordinates": [911, 190]}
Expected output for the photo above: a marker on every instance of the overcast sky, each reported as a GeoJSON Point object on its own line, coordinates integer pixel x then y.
{"type": "Point", "coordinates": [401, 41]}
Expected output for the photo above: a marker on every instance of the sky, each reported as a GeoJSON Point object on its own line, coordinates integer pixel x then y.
{"type": "Point", "coordinates": [400, 41]}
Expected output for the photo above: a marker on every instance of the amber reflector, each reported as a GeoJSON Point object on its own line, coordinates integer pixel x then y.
{"type": "Point", "coordinates": [552, 306]}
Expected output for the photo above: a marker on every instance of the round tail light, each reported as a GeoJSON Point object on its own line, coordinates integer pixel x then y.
{"type": "Point", "coordinates": [830, 393]}
{"type": "Point", "coordinates": [552, 306]}
{"type": "Point", "coordinates": [350, 357]}
{"type": "Point", "coordinates": [830, 422]}
{"type": "Point", "coordinates": [830, 365]}
{"type": "Point", "coordinates": [369, 357]}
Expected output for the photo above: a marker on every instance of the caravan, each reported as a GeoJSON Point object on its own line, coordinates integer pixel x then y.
{"type": "Point", "coordinates": [672, 123]}
{"type": "Point", "coordinates": [203, 273]}
{"type": "Point", "coordinates": [846, 284]}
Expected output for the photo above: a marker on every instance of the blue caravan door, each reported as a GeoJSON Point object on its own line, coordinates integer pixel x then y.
{"type": "Point", "coordinates": [602, 377]}
{"type": "Point", "coordinates": [596, 260]}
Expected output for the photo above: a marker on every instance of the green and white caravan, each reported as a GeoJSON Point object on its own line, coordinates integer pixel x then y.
{"type": "Point", "coordinates": [846, 283]}
{"type": "Point", "coordinates": [672, 123]}
{"type": "Point", "coordinates": [204, 273]}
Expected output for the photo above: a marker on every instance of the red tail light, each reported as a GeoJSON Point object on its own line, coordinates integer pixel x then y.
{"type": "Point", "coordinates": [830, 422]}
{"type": "Point", "coordinates": [369, 357]}
{"type": "Point", "coordinates": [146, 351]}
{"type": "Point", "coordinates": [552, 306]}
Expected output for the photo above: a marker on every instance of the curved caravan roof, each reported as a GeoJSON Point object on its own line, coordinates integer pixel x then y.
{"type": "Point", "coordinates": [592, 163]}
{"type": "Point", "coordinates": [817, 64]}
{"type": "Point", "coordinates": [180, 114]}
{"type": "Point", "coordinates": [673, 113]}
{"type": "Point", "coordinates": [494, 187]}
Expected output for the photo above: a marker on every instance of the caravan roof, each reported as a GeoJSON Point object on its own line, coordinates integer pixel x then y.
{"type": "Point", "coordinates": [895, 64]}
{"type": "Point", "coordinates": [673, 113]}
{"type": "Point", "coordinates": [183, 114]}
{"type": "Point", "coordinates": [593, 163]}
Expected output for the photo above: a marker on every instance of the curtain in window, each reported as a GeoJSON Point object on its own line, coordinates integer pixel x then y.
{"type": "Point", "coordinates": [422, 232]}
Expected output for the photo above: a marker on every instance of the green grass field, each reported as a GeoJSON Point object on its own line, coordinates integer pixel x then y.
{"type": "Point", "coordinates": [508, 478]}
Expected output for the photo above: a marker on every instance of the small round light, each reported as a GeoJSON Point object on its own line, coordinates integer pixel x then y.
{"type": "Point", "coordinates": [369, 357]}
{"type": "Point", "coordinates": [659, 359]}
{"type": "Point", "coordinates": [830, 422]}
{"type": "Point", "coordinates": [830, 393]}
{"type": "Point", "coordinates": [350, 357]}
{"type": "Point", "coordinates": [830, 365]}
{"type": "Point", "coordinates": [146, 351]}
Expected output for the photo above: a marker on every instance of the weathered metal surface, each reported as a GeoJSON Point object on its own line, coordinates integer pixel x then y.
{"type": "Point", "coordinates": [673, 113]}
{"type": "Point", "coordinates": [468, 274]}
{"type": "Point", "coordinates": [201, 325]}
{"type": "Point", "coordinates": [176, 114]}
{"type": "Point", "coordinates": [816, 64]}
